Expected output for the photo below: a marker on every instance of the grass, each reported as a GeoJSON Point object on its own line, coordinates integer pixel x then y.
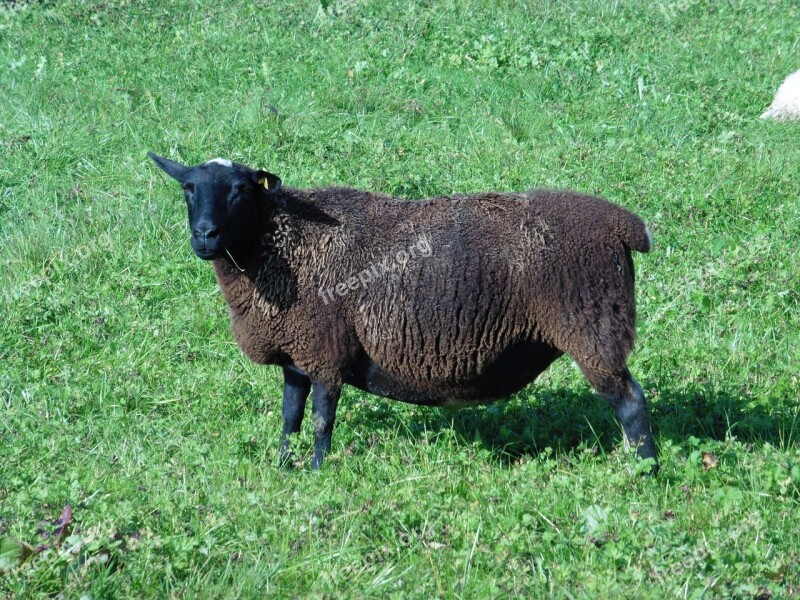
{"type": "Point", "coordinates": [125, 397]}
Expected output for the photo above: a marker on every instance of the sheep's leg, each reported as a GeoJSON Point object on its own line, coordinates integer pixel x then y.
{"type": "Point", "coordinates": [324, 399]}
{"type": "Point", "coordinates": [626, 396]}
{"type": "Point", "coordinates": [296, 387]}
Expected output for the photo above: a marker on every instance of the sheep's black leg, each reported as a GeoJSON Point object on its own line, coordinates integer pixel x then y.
{"type": "Point", "coordinates": [295, 392]}
{"type": "Point", "coordinates": [324, 399]}
{"type": "Point", "coordinates": [631, 409]}
{"type": "Point", "coordinates": [626, 396]}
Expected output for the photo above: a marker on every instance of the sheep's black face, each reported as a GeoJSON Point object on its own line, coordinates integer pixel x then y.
{"type": "Point", "coordinates": [222, 199]}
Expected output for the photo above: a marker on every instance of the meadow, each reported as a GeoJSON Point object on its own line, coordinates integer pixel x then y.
{"type": "Point", "coordinates": [123, 395]}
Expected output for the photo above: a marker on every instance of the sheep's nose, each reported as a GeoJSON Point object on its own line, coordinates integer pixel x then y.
{"type": "Point", "coordinates": [205, 231]}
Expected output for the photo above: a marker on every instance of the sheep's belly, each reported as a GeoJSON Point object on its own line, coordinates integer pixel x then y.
{"type": "Point", "coordinates": [511, 372]}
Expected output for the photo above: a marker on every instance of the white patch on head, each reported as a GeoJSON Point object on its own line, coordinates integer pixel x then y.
{"type": "Point", "coordinates": [220, 161]}
{"type": "Point", "coordinates": [649, 236]}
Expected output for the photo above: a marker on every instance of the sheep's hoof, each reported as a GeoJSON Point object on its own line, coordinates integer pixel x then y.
{"type": "Point", "coordinates": [287, 461]}
{"type": "Point", "coordinates": [316, 462]}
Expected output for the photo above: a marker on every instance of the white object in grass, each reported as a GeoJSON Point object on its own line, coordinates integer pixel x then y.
{"type": "Point", "coordinates": [786, 104]}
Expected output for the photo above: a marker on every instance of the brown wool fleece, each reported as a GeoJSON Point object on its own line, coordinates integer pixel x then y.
{"type": "Point", "coordinates": [485, 279]}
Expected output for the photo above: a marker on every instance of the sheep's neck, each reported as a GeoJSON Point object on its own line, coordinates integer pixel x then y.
{"type": "Point", "coordinates": [236, 280]}
{"type": "Point", "coordinates": [236, 273]}
{"type": "Point", "coordinates": [241, 277]}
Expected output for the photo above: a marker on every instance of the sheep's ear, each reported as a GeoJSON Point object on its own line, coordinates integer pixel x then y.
{"type": "Point", "coordinates": [175, 170]}
{"type": "Point", "coordinates": [269, 181]}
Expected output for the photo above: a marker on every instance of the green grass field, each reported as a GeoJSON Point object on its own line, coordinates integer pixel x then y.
{"type": "Point", "coordinates": [125, 397]}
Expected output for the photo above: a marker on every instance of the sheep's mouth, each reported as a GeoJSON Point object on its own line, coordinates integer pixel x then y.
{"type": "Point", "coordinates": [208, 249]}
{"type": "Point", "coordinates": [208, 253]}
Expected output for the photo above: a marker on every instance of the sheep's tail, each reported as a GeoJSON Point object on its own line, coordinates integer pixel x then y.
{"type": "Point", "coordinates": [632, 231]}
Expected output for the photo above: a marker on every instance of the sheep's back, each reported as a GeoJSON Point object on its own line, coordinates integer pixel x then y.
{"type": "Point", "coordinates": [448, 315]}
{"type": "Point", "coordinates": [455, 283]}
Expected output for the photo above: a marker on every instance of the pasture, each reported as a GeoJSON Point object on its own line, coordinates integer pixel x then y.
{"type": "Point", "coordinates": [123, 394]}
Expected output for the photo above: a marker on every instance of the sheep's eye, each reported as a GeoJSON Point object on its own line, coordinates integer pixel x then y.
{"type": "Point", "coordinates": [188, 187]}
{"type": "Point", "coordinates": [238, 190]}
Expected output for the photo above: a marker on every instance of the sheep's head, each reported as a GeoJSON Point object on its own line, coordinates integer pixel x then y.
{"type": "Point", "coordinates": [222, 198]}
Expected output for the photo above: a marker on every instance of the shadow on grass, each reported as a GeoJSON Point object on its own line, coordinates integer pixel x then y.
{"type": "Point", "coordinates": [564, 420]}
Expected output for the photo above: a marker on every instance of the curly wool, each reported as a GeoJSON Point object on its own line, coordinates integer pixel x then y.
{"type": "Point", "coordinates": [512, 282]}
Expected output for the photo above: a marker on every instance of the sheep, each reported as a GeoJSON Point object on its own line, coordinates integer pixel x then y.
{"type": "Point", "coordinates": [786, 104]}
{"type": "Point", "coordinates": [449, 301]}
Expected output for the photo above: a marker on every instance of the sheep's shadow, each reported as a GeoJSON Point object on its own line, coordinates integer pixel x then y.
{"type": "Point", "coordinates": [571, 418]}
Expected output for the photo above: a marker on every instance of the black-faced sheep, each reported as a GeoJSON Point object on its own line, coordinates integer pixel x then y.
{"type": "Point", "coordinates": [451, 301]}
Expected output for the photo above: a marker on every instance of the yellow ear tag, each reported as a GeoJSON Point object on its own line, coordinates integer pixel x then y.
{"type": "Point", "coordinates": [263, 182]}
